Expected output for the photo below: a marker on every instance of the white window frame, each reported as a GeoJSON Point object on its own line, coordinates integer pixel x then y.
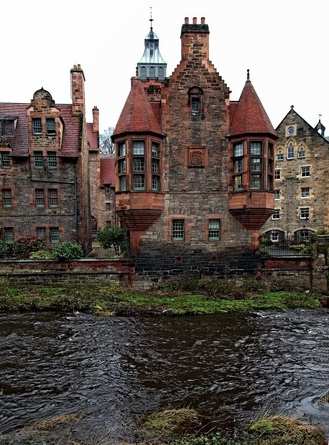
{"type": "Point", "coordinates": [275, 213]}
{"type": "Point", "coordinates": [291, 145]}
{"type": "Point", "coordinates": [300, 213]}
{"type": "Point", "coordinates": [279, 170]}
{"type": "Point", "coordinates": [305, 196]}
{"type": "Point", "coordinates": [301, 171]}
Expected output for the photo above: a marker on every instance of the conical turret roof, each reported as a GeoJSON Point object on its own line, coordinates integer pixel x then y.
{"type": "Point", "coordinates": [250, 115]}
{"type": "Point", "coordinates": [137, 115]}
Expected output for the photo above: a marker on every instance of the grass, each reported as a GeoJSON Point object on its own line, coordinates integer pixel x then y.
{"type": "Point", "coordinates": [113, 300]}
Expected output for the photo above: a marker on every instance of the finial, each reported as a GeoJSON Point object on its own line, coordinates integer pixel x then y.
{"type": "Point", "coordinates": [291, 107]}
{"type": "Point", "coordinates": [320, 115]}
{"type": "Point", "coordinates": [248, 74]}
{"type": "Point", "coordinates": [151, 18]}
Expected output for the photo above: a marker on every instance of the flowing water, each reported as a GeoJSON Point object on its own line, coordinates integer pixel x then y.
{"type": "Point", "coordinates": [113, 370]}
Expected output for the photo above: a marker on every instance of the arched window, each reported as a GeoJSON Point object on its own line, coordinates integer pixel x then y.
{"type": "Point", "coordinates": [303, 235]}
{"type": "Point", "coordinates": [279, 156]}
{"type": "Point", "coordinates": [301, 153]}
{"type": "Point", "coordinates": [290, 151]}
{"type": "Point", "coordinates": [274, 236]}
{"type": "Point", "coordinates": [195, 102]}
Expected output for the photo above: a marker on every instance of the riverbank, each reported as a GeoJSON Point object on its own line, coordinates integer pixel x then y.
{"type": "Point", "coordinates": [114, 300]}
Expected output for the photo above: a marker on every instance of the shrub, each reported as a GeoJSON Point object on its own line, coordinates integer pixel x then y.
{"type": "Point", "coordinates": [67, 250]}
{"type": "Point", "coordinates": [42, 255]}
{"type": "Point", "coordinates": [113, 236]}
{"type": "Point", "coordinates": [21, 248]}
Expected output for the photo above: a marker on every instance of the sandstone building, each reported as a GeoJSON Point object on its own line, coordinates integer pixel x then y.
{"type": "Point", "coordinates": [46, 153]}
{"type": "Point", "coordinates": [301, 181]}
{"type": "Point", "coordinates": [194, 170]}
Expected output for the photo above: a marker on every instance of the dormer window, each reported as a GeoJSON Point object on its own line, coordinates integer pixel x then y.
{"type": "Point", "coordinates": [195, 102]}
{"type": "Point", "coordinates": [51, 126]}
{"type": "Point", "coordinates": [36, 125]}
{"type": "Point", "coordinates": [6, 127]}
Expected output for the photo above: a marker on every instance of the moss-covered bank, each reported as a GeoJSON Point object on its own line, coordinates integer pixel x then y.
{"type": "Point", "coordinates": [113, 300]}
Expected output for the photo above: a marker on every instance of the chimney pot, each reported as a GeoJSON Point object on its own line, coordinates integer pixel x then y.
{"type": "Point", "coordinates": [203, 20]}
{"type": "Point", "coordinates": [186, 20]}
{"type": "Point", "coordinates": [194, 21]}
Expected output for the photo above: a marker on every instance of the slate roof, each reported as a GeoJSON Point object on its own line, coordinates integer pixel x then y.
{"type": "Point", "coordinates": [249, 115]}
{"type": "Point", "coordinates": [137, 115]}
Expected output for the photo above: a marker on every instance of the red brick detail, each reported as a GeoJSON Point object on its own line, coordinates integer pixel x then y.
{"type": "Point", "coordinates": [249, 115]}
{"type": "Point", "coordinates": [197, 157]}
{"type": "Point", "coordinates": [137, 115]}
{"type": "Point", "coordinates": [288, 264]}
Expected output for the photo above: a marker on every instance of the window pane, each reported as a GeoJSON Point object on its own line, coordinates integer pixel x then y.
{"type": "Point", "coordinates": [122, 149]}
{"type": "Point", "coordinates": [305, 192]}
{"type": "Point", "coordinates": [36, 125]}
{"type": "Point", "coordinates": [238, 166]}
{"type": "Point", "coordinates": [4, 159]}
{"type": "Point", "coordinates": [6, 127]}
{"type": "Point", "coordinates": [155, 150]}
{"type": "Point", "coordinates": [306, 171]}
{"type": "Point", "coordinates": [238, 150]}
{"type": "Point", "coordinates": [139, 165]}
{"type": "Point", "coordinates": [279, 157]}
{"type": "Point", "coordinates": [54, 234]}
{"type": "Point", "coordinates": [178, 229]}
{"type": "Point", "coordinates": [255, 148]}
{"type": "Point", "coordinates": [277, 174]}
{"type": "Point", "coordinates": [155, 183]}
{"type": "Point", "coordinates": [38, 159]}
{"type": "Point", "coordinates": [214, 229]}
{"type": "Point", "coordinates": [122, 166]}
{"type": "Point", "coordinates": [39, 197]}
{"type": "Point", "coordinates": [276, 214]}
{"type": "Point", "coordinates": [8, 233]}
{"type": "Point", "coordinates": [138, 148]}
{"type": "Point", "coordinates": [304, 213]}
{"type": "Point", "coordinates": [52, 159]}
{"type": "Point", "coordinates": [51, 127]}
{"type": "Point", "coordinates": [238, 183]}
{"type": "Point", "coordinates": [155, 166]}
{"type": "Point", "coordinates": [123, 183]}
{"type": "Point", "coordinates": [138, 182]}
{"type": "Point", "coordinates": [255, 182]}
{"type": "Point", "coordinates": [291, 152]}
{"type": "Point", "coordinates": [195, 105]}
{"type": "Point", "coordinates": [255, 164]}
{"type": "Point", "coordinates": [52, 197]}
{"type": "Point", "coordinates": [41, 233]}
{"type": "Point", "coordinates": [7, 198]}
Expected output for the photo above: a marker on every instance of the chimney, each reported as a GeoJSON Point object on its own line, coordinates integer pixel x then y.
{"type": "Point", "coordinates": [195, 39]}
{"type": "Point", "coordinates": [77, 89]}
{"type": "Point", "coordinates": [95, 120]}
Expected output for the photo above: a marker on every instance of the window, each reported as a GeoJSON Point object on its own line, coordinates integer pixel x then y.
{"type": "Point", "coordinates": [155, 167]}
{"type": "Point", "coordinates": [305, 192]}
{"type": "Point", "coordinates": [54, 235]}
{"type": "Point", "coordinates": [290, 152]}
{"type": "Point", "coordinates": [214, 229]}
{"type": "Point", "coordinates": [155, 183]}
{"type": "Point", "coordinates": [275, 236]}
{"type": "Point", "coordinates": [40, 233]}
{"type": "Point", "coordinates": [122, 166]}
{"type": "Point", "coordinates": [4, 159]}
{"type": "Point", "coordinates": [7, 199]}
{"type": "Point", "coordinates": [195, 102]}
{"type": "Point", "coordinates": [306, 171]}
{"type": "Point", "coordinates": [279, 156]}
{"type": "Point", "coordinates": [138, 166]}
{"type": "Point", "coordinates": [122, 149]}
{"type": "Point", "coordinates": [276, 214]}
{"type": "Point", "coordinates": [36, 125]}
{"type": "Point", "coordinates": [6, 127]}
{"type": "Point", "coordinates": [39, 197]}
{"type": "Point", "coordinates": [123, 183]}
{"type": "Point", "coordinates": [238, 166]}
{"type": "Point", "coordinates": [155, 150]}
{"type": "Point", "coordinates": [178, 229]}
{"type": "Point", "coordinates": [38, 159]}
{"type": "Point", "coordinates": [52, 198]}
{"type": "Point", "coordinates": [255, 150]}
{"type": "Point", "coordinates": [143, 72]}
{"type": "Point", "coordinates": [277, 174]}
{"type": "Point", "coordinates": [304, 213]}
{"type": "Point", "coordinates": [301, 153]}
{"type": "Point", "coordinates": [303, 236]}
{"type": "Point", "coordinates": [8, 234]}
{"type": "Point", "coordinates": [51, 126]}
{"type": "Point", "coordinates": [52, 159]}
{"type": "Point", "coordinates": [277, 194]}
{"type": "Point", "coordinates": [152, 72]}
{"type": "Point", "coordinates": [108, 206]}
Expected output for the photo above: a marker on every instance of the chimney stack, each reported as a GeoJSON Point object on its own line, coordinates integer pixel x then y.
{"type": "Point", "coordinates": [78, 89]}
{"type": "Point", "coordinates": [195, 39]}
{"type": "Point", "coordinates": [95, 120]}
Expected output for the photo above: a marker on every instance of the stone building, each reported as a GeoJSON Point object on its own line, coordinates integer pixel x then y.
{"type": "Point", "coordinates": [301, 184]}
{"type": "Point", "coordinates": [194, 170]}
{"type": "Point", "coordinates": [45, 154]}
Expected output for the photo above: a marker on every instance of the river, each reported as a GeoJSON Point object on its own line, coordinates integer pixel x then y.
{"type": "Point", "coordinates": [113, 370]}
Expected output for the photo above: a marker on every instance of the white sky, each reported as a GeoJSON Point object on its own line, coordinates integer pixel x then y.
{"type": "Point", "coordinates": [283, 42]}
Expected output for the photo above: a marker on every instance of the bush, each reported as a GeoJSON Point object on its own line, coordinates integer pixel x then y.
{"type": "Point", "coordinates": [113, 236]}
{"type": "Point", "coordinates": [22, 248]}
{"type": "Point", "coordinates": [42, 255]}
{"type": "Point", "coordinates": [67, 251]}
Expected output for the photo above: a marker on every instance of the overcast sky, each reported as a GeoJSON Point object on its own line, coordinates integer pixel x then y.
{"type": "Point", "coordinates": [284, 43]}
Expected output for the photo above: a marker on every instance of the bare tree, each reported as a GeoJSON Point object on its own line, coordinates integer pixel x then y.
{"type": "Point", "coordinates": [106, 144]}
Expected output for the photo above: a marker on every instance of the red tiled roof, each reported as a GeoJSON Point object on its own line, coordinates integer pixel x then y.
{"type": "Point", "coordinates": [107, 170]}
{"type": "Point", "coordinates": [72, 127]}
{"type": "Point", "coordinates": [93, 138]}
{"type": "Point", "coordinates": [137, 115]}
{"type": "Point", "coordinates": [249, 115]}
